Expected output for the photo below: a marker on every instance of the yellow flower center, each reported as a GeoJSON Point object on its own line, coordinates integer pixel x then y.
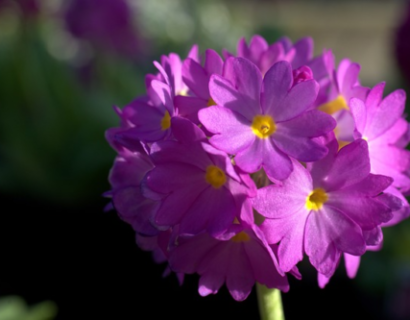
{"type": "Point", "coordinates": [241, 237]}
{"type": "Point", "coordinates": [316, 199]}
{"type": "Point", "coordinates": [263, 126]}
{"type": "Point", "coordinates": [335, 105]}
{"type": "Point", "coordinates": [215, 176]}
{"type": "Point", "coordinates": [166, 121]}
{"type": "Point", "coordinates": [211, 102]}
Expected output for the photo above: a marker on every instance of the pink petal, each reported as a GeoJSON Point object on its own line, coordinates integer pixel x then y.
{"type": "Point", "coordinates": [352, 264]}
{"type": "Point", "coordinates": [226, 95]}
{"type": "Point", "coordinates": [233, 132]}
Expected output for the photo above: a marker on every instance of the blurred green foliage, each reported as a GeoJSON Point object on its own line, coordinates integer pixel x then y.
{"type": "Point", "coordinates": [15, 308]}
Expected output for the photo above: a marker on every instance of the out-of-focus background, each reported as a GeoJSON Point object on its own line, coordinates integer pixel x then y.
{"type": "Point", "coordinates": [65, 64]}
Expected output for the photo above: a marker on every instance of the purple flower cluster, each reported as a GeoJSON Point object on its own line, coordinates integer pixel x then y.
{"type": "Point", "coordinates": [235, 167]}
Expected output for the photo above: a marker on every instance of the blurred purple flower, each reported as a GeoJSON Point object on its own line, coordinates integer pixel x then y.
{"type": "Point", "coordinates": [28, 8]}
{"type": "Point", "coordinates": [107, 24]}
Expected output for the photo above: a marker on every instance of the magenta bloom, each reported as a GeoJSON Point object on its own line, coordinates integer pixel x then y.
{"type": "Point", "coordinates": [149, 119]}
{"type": "Point", "coordinates": [380, 122]}
{"type": "Point", "coordinates": [126, 174]}
{"type": "Point", "coordinates": [170, 72]}
{"type": "Point", "coordinates": [344, 86]}
{"type": "Point", "coordinates": [333, 209]}
{"type": "Point", "coordinates": [200, 189]}
{"type": "Point", "coordinates": [106, 24]}
{"type": "Point", "coordinates": [264, 56]}
{"type": "Point", "coordinates": [264, 123]}
{"type": "Point", "coordinates": [197, 78]}
{"type": "Point", "coordinates": [239, 262]}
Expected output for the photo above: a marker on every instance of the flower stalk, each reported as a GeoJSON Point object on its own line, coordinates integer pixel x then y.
{"type": "Point", "coordinates": [269, 303]}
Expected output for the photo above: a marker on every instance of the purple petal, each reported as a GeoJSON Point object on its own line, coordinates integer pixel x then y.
{"type": "Point", "coordinates": [192, 154]}
{"type": "Point", "coordinates": [213, 210]}
{"type": "Point", "coordinates": [133, 208]}
{"type": "Point", "coordinates": [245, 77]}
{"type": "Point", "coordinates": [196, 78]}
{"type": "Point", "coordinates": [366, 212]}
{"type": "Point", "coordinates": [351, 165]}
{"type": "Point", "coordinates": [327, 233]}
{"type": "Point", "coordinates": [185, 131]}
{"type": "Point", "coordinates": [225, 95]}
{"type": "Point", "coordinates": [160, 94]}
{"type": "Point", "coordinates": [190, 252]}
{"type": "Point", "coordinates": [322, 280]}
{"type": "Point", "coordinates": [276, 83]}
{"type": "Point", "coordinates": [358, 109]}
{"type": "Point", "coordinates": [278, 201]}
{"type": "Point", "coordinates": [352, 264]}
{"type": "Point", "coordinates": [371, 186]}
{"type": "Point", "coordinates": [304, 52]}
{"type": "Point", "coordinates": [174, 207]}
{"type": "Point", "coordinates": [276, 163]}
{"type": "Point", "coordinates": [233, 133]}
{"type": "Point", "coordinates": [373, 237]}
{"type": "Point", "coordinates": [213, 62]}
{"type": "Point", "coordinates": [188, 107]}
{"type": "Point", "coordinates": [291, 246]}
{"type": "Point", "coordinates": [263, 267]}
{"type": "Point", "coordinates": [129, 170]}
{"type": "Point", "coordinates": [300, 148]}
{"type": "Point", "coordinates": [350, 77]}
{"type": "Point", "coordinates": [240, 279]}
{"type": "Point", "coordinates": [274, 54]}
{"type": "Point", "coordinates": [249, 159]}
{"type": "Point", "coordinates": [399, 214]}
{"type": "Point", "coordinates": [285, 103]}
{"type": "Point", "coordinates": [386, 114]}
{"type": "Point", "coordinates": [170, 177]}
{"type": "Point", "coordinates": [257, 46]}
{"type": "Point", "coordinates": [309, 124]}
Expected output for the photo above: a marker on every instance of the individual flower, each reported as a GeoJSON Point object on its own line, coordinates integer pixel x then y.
{"type": "Point", "coordinates": [238, 262]}
{"type": "Point", "coordinates": [149, 119]}
{"type": "Point", "coordinates": [197, 78]}
{"type": "Point", "coordinates": [170, 72]}
{"type": "Point", "coordinates": [333, 208]}
{"type": "Point", "coordinates": [264, 123]}
{"type": "Point", "coordinates": [344, 86]}
{"type": "Point", "coordinates": [401, 211]}
{"type": "Point", "coordinates": [264, 56]}
{"type": "Point", "coordinates": [200, 188]}
{"type": "Point", "coordinates": [126, 174]}
{"type": "Point", "coordinates": [380, 122]}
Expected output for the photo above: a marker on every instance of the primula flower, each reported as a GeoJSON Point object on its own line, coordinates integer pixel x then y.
{"type": "Point", "coordinates": [344, 86]}
{"type": "Point", "coordinates": [149, 120]}
{"type": "Point", "coordinates": [264, 56]}
{"type": "Point", "coordinates": [239, 262]}
{"type": "Point", "coordinates": [170, 72]}
{"type": "Point", "coordinates": [380, 122]}
{"type": "Point", "coordinates": [200, 188]}
{"type": "Point", "coordinates": [331, 209]}
{"type": "Point", "coordinates": [264, 123]}
{"type": "Point", "coordinates": [126, 174]}
{"type": "Point", "coordinates": [196, 78]}
{"type": "Point", "coordinates": [401, 211]}
{"type": "Point", "coordinates": [187, 151]}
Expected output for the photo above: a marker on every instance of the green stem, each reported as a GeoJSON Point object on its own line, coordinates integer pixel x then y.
{"type": "Point", "coordinates": [270, 303]}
